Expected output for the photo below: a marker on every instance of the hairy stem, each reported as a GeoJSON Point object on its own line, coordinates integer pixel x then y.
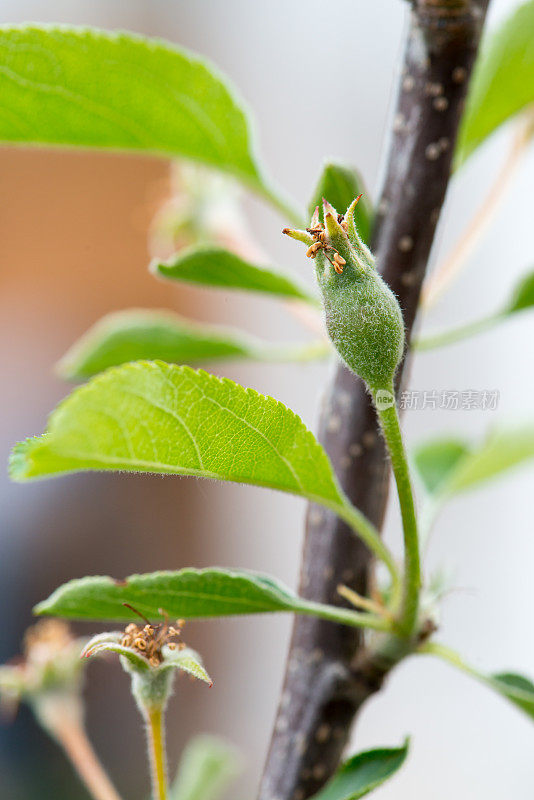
{"type": "Point", "coordinates": [390, 424]}
{"type": "Point", "coordinates": [155, 729]}
{"type": "Point", "coordinates": [330, 671]}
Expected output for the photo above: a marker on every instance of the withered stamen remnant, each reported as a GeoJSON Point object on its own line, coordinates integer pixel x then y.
{"type": "Point", "coordinates": [313, 249]}
{"type": "Point", "coordinates": [320, 243]}
{"type": "Point", "coordinates": [149, 639]}
{"type": "Point", "coordinates": [339, 263]}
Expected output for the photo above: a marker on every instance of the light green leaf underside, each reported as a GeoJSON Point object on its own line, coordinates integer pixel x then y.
{"type": "Point", "coordinates": [188, 593]}
{"type": "Point", "coordinates": [147, 334]}
{"type": "Point", "coordinates": [222, 269]}
{"type": "Point", "coordinates": [156, 417]}
{"type": "Point", "coordinates": [89, 88]}
{"type": "Point", "coordinates": [340, 184]}
{"type": "Point", "coordinates": [362, 773]}
{"type": "Point", "coordinates": [502, 82]}
{"type": "Point", "coordinates": [447, 466]}
{"type": "Point", "coordinates": [186, 661]}
{"type": "Point", "coordinates": [206, 767]}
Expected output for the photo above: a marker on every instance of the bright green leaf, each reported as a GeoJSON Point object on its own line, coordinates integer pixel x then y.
{"type": "Point", "coordinates": [154, 417]}
{"type": "Point", "coordinates": [89, 88]}
{"type": "Point", "coordinates": [502, 82]}
{"type": "Point", "coordinates": [362, 773]}
{"type": "Point", "coordinates": [206, 767]}
{"type": "Point", "coordinates": [146, 334]}
{"type": "Point", "coordinates": [435, 460]}
{"type": "Point", "coordinates": [448, 466]}
{"type": "Point", "coordinates": [189, 593]}
{"type": "Point", "coordinates": [222, 269]}
{"type": "Point", "coordinates": [340, 184]}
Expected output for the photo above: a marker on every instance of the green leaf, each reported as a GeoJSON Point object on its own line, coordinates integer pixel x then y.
{"type": "Point", "coordinates": [207, 766]}
{"type": "Point", "coordinates": [186, 661]}
{"type": "Point", "coordinates": [340, 184]}
{"type": "Point", "coordinates": [435, 460]}
{"type": "Point", "coordinates": [522, 296]}
{"type": "Point", "coordinates": [154, 417]}
{"type": "Point", "coordinates": [503, 80]}
{"type": "Point", "coordinates": [448, 466]}
{"type": "Point", "coordinates": [516, 688]}
{"type": "Point", "coordinates": [188, 593]}
{"type": "Point", "coordinates": [83, 87]}
{"type": "Point", "coordinates": [146, 334]}
{"type": "Point", "coordinates": [362, 773]}
{"type": "Point", "coordinates": [222, 269]}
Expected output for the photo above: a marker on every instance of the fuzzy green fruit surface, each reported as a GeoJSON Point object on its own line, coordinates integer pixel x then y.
{"type": "Point", "coordinates": [364, 322]}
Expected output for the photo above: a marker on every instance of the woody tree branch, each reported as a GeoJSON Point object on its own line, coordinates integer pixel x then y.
{"type": "Point", "coordinates": [329, 674]}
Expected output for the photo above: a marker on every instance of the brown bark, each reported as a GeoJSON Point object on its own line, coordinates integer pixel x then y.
{"type": "Point", "coordinates": [329, 674]}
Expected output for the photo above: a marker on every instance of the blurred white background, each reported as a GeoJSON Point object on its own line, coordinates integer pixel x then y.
{"type": "Point", "coordinates": [300, 66]}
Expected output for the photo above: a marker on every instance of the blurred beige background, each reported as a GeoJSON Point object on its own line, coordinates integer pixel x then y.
{"type": "Point", "coordinates": [73, 247]}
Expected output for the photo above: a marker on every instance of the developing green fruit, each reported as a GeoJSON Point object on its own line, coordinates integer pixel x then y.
{"type": "Point", "coordinates": [362, 315]}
